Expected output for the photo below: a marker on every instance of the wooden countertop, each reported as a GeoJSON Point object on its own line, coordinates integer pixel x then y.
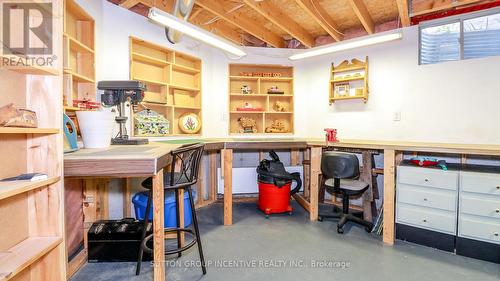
{"type": "Point", "coordinates": [118, 160]}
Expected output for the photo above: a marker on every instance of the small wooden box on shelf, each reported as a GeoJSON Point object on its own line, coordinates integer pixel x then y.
{"type": "Point", "coordinates": [31, 213]}
{"type": "Point", "coordinates": [261, 94]}
{"type": "Point", "coordinates": [79, 55]}
{"type": "Point", "coordinates": [173, 81]}
{"type": "Point", "coordinates": [349, 80]}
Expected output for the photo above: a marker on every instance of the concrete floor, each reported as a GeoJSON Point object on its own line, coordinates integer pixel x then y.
{"type": "Point", "coordinates": [292, 248]}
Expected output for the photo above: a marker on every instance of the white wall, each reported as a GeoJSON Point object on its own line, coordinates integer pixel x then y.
{"type": "Point", "coordinates": [446, 102]}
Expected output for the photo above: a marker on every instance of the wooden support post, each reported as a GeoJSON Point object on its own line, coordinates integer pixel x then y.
{"type": "Point", "coordinates": [228, 186]}
{"type": "Point", "coordinates": [307, 176]}
{"type": "Point", "coordinates": [127, 197]}
{"type": "Point", "coordinates": [262, 155]}
{"type": "Point", "coordinates": [366, 176]}
{"type": "Point", "coordinates": [180, 194]}
{"type": "Point", "coordinates": [315, 168]}
{"type": "Point", "coordinates": [158, 227]}
{"type": "Point", "coordinates": [201, 190]}
{"type": "Point", "coordinates": [213, 176]}
{"type": "Point", "coordinates": [389, 195]}
{"type": "Point", "coordinates": [294, 157]}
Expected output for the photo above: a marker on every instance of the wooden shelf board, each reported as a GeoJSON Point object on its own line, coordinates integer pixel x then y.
{"type": "Point", "coordinates": [179, 87]}
{"type": "Point", "coordinates": [149, 103]}
{"type": "Point", "coordinates": [187, 107]}
{"type": "Point", "coordinates": [244, 78]}
{"type": "Point", "coordinates": [352, 68]}
{"type": "Point", "coordinates": [348, 98]}
{"type": "Point", "coordinates": [78, 46]}
{"type": "Point", "coordinates": [246, 112]}
{"type": "Point", "coordinates": [33, 70]}
{"type": "Point", "coordinates": [149, 59]}
{"type": "Point", "coordinates": [150, 81]}
{"type": "Point", "coordinates": [249, 95]}
{"type": "Point", "coordinates": [276, 78]}
{"type": "Point", "coordinates": [71, 108]}
{"type": "Point", "coordinates": [12, 188]}
{"type": "Point", "coordinates": [22, 255]}
{"type": "Point", "coordinates": [79, 77]}
{"type": "Point", "coordinates": [16, 130]}
{"type": "Point", "coordinates": [187, 69]}
{"type": "Point", "coordinates": [279, 112]}
{"type": "Point", "coordinates": [348, 79]}
{"type": "Point", "coordinates": [278, 96]}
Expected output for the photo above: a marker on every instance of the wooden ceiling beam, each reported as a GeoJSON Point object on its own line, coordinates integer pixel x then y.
{"type": "Point", "coordinates": [321, 17]}
{"type": "Point", "coordinates": [220, 28]}
{"type": "Point", "coordinates": [242, 22]}
{"type": "Point", "coordinates": [404, 15]}
{"type": "Point", "coordinates": [282, 20]}
{"type": "Point", "coordinates": [361, 11]}
{"type": "Point", "coordinates": [127, 4]}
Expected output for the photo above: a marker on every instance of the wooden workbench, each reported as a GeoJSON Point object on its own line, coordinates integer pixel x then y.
{"type": "Point", "coordinates": [125, 162]}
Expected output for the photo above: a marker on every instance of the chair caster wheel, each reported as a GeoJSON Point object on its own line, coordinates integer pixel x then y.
{"type": "Point", "coordinates": [340, 230]}
{"type": "Point", "coordinates": [290, 213]}
{"type": "Point", "coordinates": [267, 217]}
{"type": "Point", "coordinates": [368, 229]}
{"type": "Point", "coordinates": [320, 218]}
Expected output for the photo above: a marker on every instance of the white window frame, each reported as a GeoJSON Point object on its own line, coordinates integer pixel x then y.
{"type": "Point", "coordinates": [449, 20]}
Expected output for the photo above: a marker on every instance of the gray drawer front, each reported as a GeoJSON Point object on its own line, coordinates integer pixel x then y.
{"type": "Point", "coordinates": [479, 228]}
{"type": "Point", "coordinates": [432, 219]}
{"type": "Point", "coordinates": [428, 177]}
{"type": "Point", "coordinates": [480, 183]}
{"type": "Point", "coordinates": [427, 197]}
{"type": "Point", "coordinates": [480, 205]}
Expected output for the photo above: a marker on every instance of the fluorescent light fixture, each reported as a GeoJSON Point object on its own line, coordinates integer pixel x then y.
{"type": "Point", "coordinates": [193, 31]}
{"type": "Point", "coordinates": [347, 45]}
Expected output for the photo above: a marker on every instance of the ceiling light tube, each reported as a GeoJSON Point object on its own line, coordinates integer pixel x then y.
{"type": "Point", "coordinates": [347, 45]}
{"type": "Point", "coordinates": [193, 31]}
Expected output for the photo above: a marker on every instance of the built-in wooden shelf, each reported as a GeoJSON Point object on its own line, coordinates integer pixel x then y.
{"type": "Point", "coordinates": [78, 46]}
{"type": "Point", "coordinates": [71, 108]}
{"type": "Point", "coordinates": [173, 81]}
{"type": "Point", "coordinates": [352, 78]}
{"type": "Point", "coordinates": [16, 130]}
{"type": "Point", "coordinates": [260, 98]}
{"type": "Point", "coordinates": [12, 188]}
{"type": "Point", "coordinates": [22, 255]}
{"type": "Point", "coordinates": [79, 77]}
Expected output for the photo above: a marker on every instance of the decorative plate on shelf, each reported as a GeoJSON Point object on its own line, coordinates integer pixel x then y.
{"type": "Point", "coordinates": [190, 123]}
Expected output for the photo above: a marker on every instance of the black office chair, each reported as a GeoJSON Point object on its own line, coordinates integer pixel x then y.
{"type": "Point", "coordinates": [189, 157]}
{"type": "Point", "coordinates": [340, 173]}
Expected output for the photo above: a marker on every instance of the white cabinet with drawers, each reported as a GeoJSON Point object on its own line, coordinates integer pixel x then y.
{"type": "Point", "coordinates": [479, 207]}
{"type": "Point", "coordinates": [427, 198]}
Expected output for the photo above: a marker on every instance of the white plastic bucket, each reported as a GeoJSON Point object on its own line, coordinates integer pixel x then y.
{"type": "Point", "coordinates": [96, 128]}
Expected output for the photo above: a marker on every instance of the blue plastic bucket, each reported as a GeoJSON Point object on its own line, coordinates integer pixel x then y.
{"type": "Point", "coordinates": [140, 201]}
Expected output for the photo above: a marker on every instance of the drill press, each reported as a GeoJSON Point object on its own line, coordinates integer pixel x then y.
{"type": "Point", "coordinates": [118, 93]}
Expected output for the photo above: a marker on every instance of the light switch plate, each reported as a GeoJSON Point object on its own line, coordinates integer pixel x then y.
{"type": "Point", "coordinates": [396, 116]}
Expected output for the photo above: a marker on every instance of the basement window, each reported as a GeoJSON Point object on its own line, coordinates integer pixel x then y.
{"type": "Point", "coordinates": [463, 37]}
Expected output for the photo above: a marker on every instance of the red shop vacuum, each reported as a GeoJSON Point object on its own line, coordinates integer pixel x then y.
{"type": "Point", "coordinates": [275, 185]}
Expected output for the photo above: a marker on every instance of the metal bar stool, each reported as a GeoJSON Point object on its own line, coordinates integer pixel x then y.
{"type": "Point", "coordinates": [189, 157]}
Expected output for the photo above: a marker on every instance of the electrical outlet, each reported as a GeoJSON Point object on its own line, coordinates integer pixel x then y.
{"type": "Point", "coordinates": [223, 116]}
{"type": "Point", "coordinates": [396, 116]}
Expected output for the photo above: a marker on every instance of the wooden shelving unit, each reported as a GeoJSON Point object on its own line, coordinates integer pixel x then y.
{"type": "Point", "coordinates": [259, 98]}
{"type": "Point", "coordinates": [31, 213]}
{"type": "Point", "coordinates": [79, 55]}
{"type": "Point", "coordinates": [354, 76]}
{"type": "Point", "coordinates": [173, 80]}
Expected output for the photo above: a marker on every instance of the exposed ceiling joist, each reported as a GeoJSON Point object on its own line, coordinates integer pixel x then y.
{"type": "Point", "coordinates": [361, 11]}
{"type": "Point", "coordinates": [127, 4]}
{"type": "Point", "coordinates": [321, 17]}
{"type": "Point", "coordinates": [244, 23]}
{"type": "Point", "coordinates": [282, 20]}
{"type": "Point", "coordinates": [221, 29]}
{"type": "Point", "coordinates": [403, 12]}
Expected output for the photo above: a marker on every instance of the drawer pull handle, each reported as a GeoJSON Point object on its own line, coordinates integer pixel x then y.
{"type": "Point", "coordinates": [498, 187]}
{"type": "Point", "coordinates": [424, 220]}
{"type": "Point", "coordinates": [497, 211]}
{"type": "Point", "coordinates": [426, 180]}
{"type": "Point", "coordinates": [496, 233]}
{"type": "Point", "coordinates": [425, 199]}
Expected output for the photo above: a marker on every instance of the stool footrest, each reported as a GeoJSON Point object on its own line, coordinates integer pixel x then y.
{"type": "Point", "coordinates": [171, 230]}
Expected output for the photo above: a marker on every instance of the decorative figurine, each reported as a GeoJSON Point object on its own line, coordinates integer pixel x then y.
{"type": "Point", "coordinates": [275, 91]}
{"type": "Point", "coordinates": [11, 116]}
{"type": "Point", "coordinates": [279, 106]}
{"type": "Point", "coordinates": [277, 126]}
{"type": "Point", "coordinates": [331, 135]}
{"type": "Point", "coordinates": [245, 89]}
{"type": "Point", "coordinates": [248, 125]}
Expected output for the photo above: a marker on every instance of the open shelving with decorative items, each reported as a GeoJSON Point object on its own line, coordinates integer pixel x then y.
{"type": "Point", "coordinates": [349, 80]}
{"type": "Point", "coordinates": [173, 82]}
{"type": "Point", "coordinates": [261, 99]}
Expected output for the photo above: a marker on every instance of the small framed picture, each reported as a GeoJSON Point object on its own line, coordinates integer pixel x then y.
{"type": "Point", "coordinates": [342, 89]}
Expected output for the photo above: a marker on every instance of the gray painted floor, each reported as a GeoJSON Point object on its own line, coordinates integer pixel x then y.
{"type": "Point", "coordinates": [290, 248]}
